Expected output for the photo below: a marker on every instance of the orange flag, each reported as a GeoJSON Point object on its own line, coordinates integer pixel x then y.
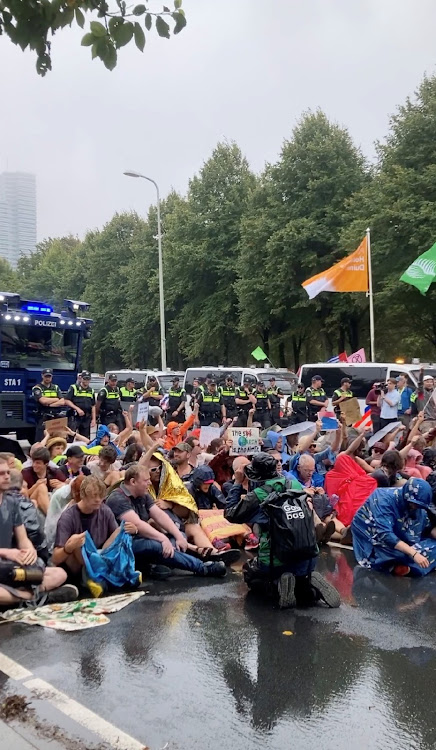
{"type": "Point", "coordinates": [348, 275]}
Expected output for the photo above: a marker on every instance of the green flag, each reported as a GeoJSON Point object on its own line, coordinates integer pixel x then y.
{"type": "Point", "coordinates": [258, 354]}
{"type": "Point", "coordinates": [422, 272]}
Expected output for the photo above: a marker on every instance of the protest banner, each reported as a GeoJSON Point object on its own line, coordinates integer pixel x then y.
{"type": "Point", "coordinates": [245, 441]}
{"type": "Point", "coordinates": [141, 412]}
{"type": "Point", "coordinates": [56, 425]}
{"type": "Point", "coordinates": [351, 411]}
{"type": "Point", "coordinates": [207, 434]}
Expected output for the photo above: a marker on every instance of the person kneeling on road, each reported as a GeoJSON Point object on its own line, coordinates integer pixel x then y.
{"type": "Point", "coordinates": [165, 545]}
{"type": "Point", "coordinates": [285, 564]}
{"type": "Point", "coordinates": [23, 576]}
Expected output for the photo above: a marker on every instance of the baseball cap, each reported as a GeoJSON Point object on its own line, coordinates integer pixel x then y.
{"type": "Point", "coordinates": [175, 379]}
{"type": "Point", "coordinates": [183, 447]}
{"type": "Point", "coordinates": [317, 377]}
{"type": "Point", "coordinates": [113, 376]}
{"type": "Point", "coordinates": [379, 447]}
{"type": "Point", "coordinates": [85, 374]}
{"type": "Point", "coordinates": [212, 382]}
{"type": "Point", "coordinates": [130, 380]}
{"type": "Point", "coordinates": [208, 481]}
{"type": "Point", "coordinates": [345, 380]}
{"type": "Point", "coordinates": [47, 371]}
{"type": "Point", "coordinates": [428, 377]}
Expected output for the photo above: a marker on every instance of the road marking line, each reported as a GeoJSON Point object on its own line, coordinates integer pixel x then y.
{"type": "Point", "coordinates": [115, 737]}
{"type": "Point", "coordinates": [12, 669]}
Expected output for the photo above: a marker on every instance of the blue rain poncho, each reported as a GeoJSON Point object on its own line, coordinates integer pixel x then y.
{"type": "Point", "coordinates": [387, 518]}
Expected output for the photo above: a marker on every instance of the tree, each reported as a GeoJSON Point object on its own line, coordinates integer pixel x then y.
{"type": "Point", "coordinates": [30, 23]}
{"type": "Point", "coordinates": [54, 272]}
{"type": "Point", "coordinates": [293, 227]}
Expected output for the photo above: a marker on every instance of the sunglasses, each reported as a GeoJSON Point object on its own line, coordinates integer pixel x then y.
{"type": "Point", "coordinates": [154, 469]}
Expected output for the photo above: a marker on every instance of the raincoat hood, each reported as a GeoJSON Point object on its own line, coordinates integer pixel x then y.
{"type": "Point", "coordinates": [417, 491]}
{"type": "Point", "coordinates": [101, 432]}
{"type": "Point", "coordinates": [262, 467]}
{"type": "Point", "coordinates": [202, 474]}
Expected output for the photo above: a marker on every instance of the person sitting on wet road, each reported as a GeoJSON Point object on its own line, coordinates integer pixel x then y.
{"type": "Point", "coordinates": [388, 474]}
{"type": "Point", "coordinates": [41, 479]}
{"type": "Point", "coordinates": [56, 446]}
{"type": "Point", "coordinates": [16, 550]}
{"type": "Point", "coordinates": [181, 461]}
{"type": "Point", "coordinates": [205, 490]}
{"type": "Point", "coordinates": [73, 465]}
{"type": "Point", "coordinates": [293, 583]}
{"type": "Point", "coordinates": [106, 467]}
{"type": "Point", "coordinates": [392, 531]}
{"type": "Point", "coordinates": [152, 546]}
{"type": "Point", "coordinates": [90, 515]}
{"type": "Point", "coordinates": [176, 432]}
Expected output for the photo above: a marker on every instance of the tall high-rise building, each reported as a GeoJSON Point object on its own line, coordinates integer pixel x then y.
{"type": "Point", "coordinates": [17, 215]}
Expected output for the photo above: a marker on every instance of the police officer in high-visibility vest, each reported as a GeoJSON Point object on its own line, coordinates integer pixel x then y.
{"type": "Point", "coordinates": [128, 392]}
{"type": "Point", "coordinates": [341, 394]}
{"type": "Point", "coordinates": [51, 404]}
{"type": "Point", "coordinates": [245, 401]}
{"type": "Point", "coordinates": [176, 402]}
{"type": "Point", "coordinates": [298, 405]}
{"type": "Point", "coordinates": [316, 398]}
{"type": "Point", "coordinates": [210, 405]}
{"type": "Point", "coordinates": [228, 394]}
{"type": "Point", "coordinates": [274, 393]}
{"type": "Point", "coordinates": [263, 406]}
{"type": "Point", "coordinates": [81, 400]}
{"type": "Point", "coordinates": [108, 407]}
{"type": "Point", "coordinates": [153, 392]}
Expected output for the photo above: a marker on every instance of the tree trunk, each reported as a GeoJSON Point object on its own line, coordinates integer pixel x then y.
{"type": "Point", "coordinates": [297, 343]}
{"type": "Point", "coordinates": [353, 333]}
{"type": "Point", "coordinates": [282, 361]}
{"type": "Point", "coordinates": [265, 340]}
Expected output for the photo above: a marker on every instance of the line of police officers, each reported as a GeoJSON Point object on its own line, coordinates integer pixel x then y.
{"type": "Point", "coordinates": [215, 403]}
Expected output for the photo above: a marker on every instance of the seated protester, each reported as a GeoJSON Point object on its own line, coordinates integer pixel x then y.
{"type": "Point", "coordinates": [106, 467]}
{"type": "Point", "coordinates": [132, 455]}
{"type": "Point", "coordinates": [41, 479]}
{"type": "Point", "coordinates": [392, 531]}
{"type": "Point", "coordinates": [181, 461]}
{"type": "Point", "coordinates": [414, 466]}
{"type": "Point", "coordinates": [56, 446]}
{"type": "Point", "coordinates": [102, 439]}
{"type": "Point", "coordinates": [296, 581]}
{"type": "Point", "coordinates": [176, 432]}
{"type": "Point", "coordinates": [29, 515]}
{"type": "Point", "coordinates": [326, 524]}
{"type": "Point", "coordinates": [221, 464]}
{"type": "Point", "coordinates": [90, 515]}
{"type": "Point", "coordinates": [278, 444]}
{"type": "Point", "coordinates": [194, 442]}
{"type": "Point", "coordinates": [349, 480]}
{"type": "Point", "coordinates": [60, 499]}
{"type": "Point", "coordinates": [173, 497]}
{"type": "Point", "coordinates": [73, 466]}
{"type": "Point", "coordinates": [240, 462]}
{"type": "Point", "coordinates": [377, 451]}
{"type": "Point", "coordinates": [13, 462]}
{"type": "Point", "coordinates": [388, 474]}
{"type": "Point", "coordinates": [305, 473]}
{"type": "Point", "coordinates": [204, 489]}
{"type": "Point", "coordinates": [16, 548]}
{"type": "Point", "coordinates": [131, 502]}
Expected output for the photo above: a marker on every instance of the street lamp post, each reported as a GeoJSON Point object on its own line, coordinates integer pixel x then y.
{"type": "Point", "coordinates": [163, 348]}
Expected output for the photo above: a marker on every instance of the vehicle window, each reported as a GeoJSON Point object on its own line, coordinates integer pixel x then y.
{"type": "Point", "coordinates": [362, 378]}
{"type": "Point", "coordinates": [286, 384]}
{"type": "Point", "coordinates": [31, 346]}
{"type": "Point", "coordinates": [218, 375]}
{"type": "Point", "coordinates": [139, 378]}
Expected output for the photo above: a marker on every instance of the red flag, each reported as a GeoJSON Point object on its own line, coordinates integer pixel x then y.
{"type": "Point", "coordinates": [343, 357]}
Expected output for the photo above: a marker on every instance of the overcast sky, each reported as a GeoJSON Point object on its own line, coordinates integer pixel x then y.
{"type": "Point", "coordinates": [242, 70]}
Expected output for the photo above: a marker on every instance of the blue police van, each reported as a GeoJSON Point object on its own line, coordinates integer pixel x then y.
{"type": "Point", "coordinates": [35, 337]}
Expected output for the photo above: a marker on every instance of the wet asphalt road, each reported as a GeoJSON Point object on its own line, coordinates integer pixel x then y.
{"type": "Point", "coordinates": [201, 665]}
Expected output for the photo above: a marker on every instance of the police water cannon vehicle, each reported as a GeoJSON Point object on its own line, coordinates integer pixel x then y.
{"type": "Point", "coordinates": [34, 337]}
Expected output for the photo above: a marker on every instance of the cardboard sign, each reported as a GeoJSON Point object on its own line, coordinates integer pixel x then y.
{"type": "Point", "coordinates": [245, 441]}
{"type": "Point", "coordinates": [351, 411]}
{"type": "Point", "coordinates": [207, 434]}
{"type": "Point", "coordinates": [56, 425]}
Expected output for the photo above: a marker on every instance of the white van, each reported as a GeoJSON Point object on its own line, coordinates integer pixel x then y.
{"type": "Point", "coordinates": [141, 376]}
{"type": "Point", "coordinates": [286, 380]}
{"type": "Point", "coordinates": [362, 375]}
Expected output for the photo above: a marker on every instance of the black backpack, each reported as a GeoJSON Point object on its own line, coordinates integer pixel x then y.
{"type": "Point", "coordinates": [291, 526]}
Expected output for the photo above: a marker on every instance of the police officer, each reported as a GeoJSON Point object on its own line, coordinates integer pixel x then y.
{"type": "Point", "coordinates": [81, 400]}
{"type": "Point", "coordinates": [196, 390]}
{"type": "Point", "coordinates": [210, 405]}
{"type": "Point", "coordinates": [108, 407]}
{"type": "Point", "coordinates": [176, 402]}
{"type": "Point", "coordinates": [51, 404]}
{"type": "Point", "coordinates": [298, 404]}
{"type": "Point", "coordinates": [263, 406]}
{"type": "Point", "coordinates": [316, 398]}
{"type": "Point", "coordinates": [274, 393]}
{"type": "Point", "coordinates": [153, 393]}
{"type": "Point", "coordinates": [128, 392]}
{"type": "Point", "coordinates": [245, 400]}
{"type": "Point", "coordinates": [228, 395]}
{"type": "Point", "coordinates": [341, 394]}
